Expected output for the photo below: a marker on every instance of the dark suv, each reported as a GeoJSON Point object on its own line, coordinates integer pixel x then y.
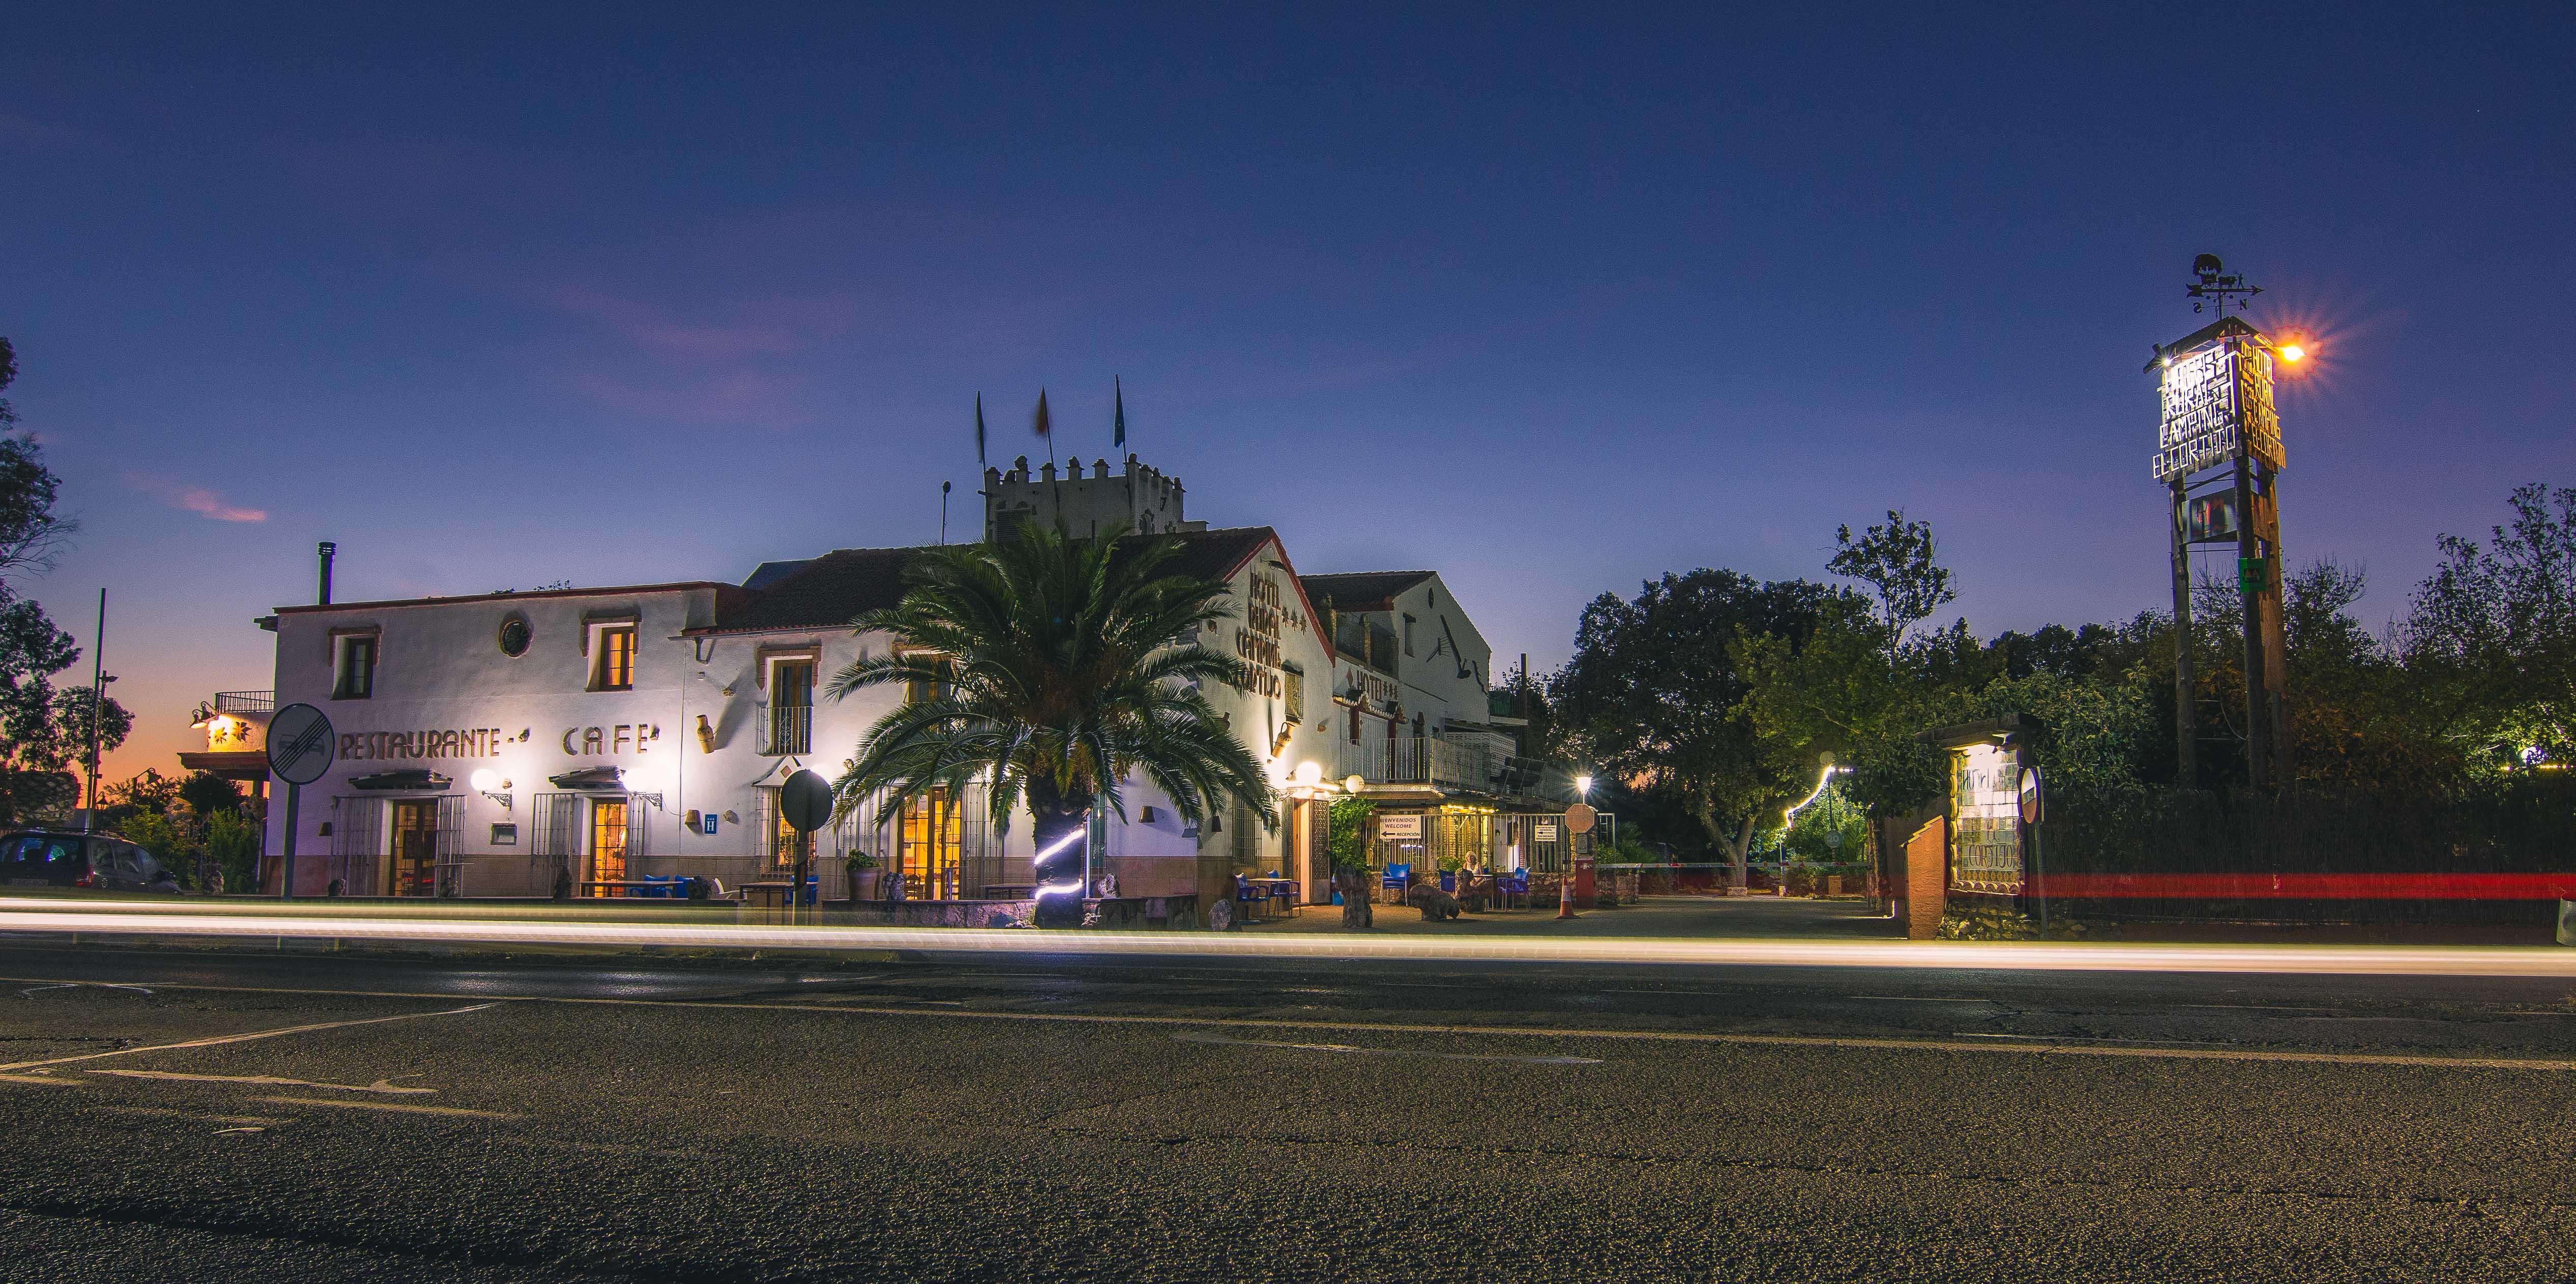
{"type": "Point", "coordinates": [64, 858]}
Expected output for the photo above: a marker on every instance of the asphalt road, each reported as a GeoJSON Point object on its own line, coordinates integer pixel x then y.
{"type": "Point", "coordinates": [392, 1120]}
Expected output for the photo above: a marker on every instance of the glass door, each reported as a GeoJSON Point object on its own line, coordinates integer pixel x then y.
{"type": "Point", "coordinates": [930, 836]}
{"type": "Point", "coordinates": [414, 864]}
{"type": "Point", "coordinates": [608, 844]}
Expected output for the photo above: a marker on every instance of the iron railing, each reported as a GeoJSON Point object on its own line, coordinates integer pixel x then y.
{"type": "Point", "coordinates": [245, 702]}
{"type": "Point", "coordinates": [787, 729]}
{"type": "Point", "coordinates": [1422, 760]}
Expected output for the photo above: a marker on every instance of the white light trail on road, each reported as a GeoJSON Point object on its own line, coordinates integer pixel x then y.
{"type": "Point", "coordinates": [33, 918]}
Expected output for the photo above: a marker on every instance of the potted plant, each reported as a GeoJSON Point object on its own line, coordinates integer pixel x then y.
{"type": "Point", "coordinates": [863, 872]}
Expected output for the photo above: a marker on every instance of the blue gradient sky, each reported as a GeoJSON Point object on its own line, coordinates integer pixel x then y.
{"type": "Point", "coordinates": [1549, 304]}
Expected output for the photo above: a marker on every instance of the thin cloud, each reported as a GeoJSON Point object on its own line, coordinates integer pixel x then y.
{"type": "Point", "coordinates": [196, 499]}
{"type": "Point", "coordinates": [25, 131]}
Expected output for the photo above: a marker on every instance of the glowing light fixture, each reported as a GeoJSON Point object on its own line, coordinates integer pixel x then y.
{"type": "Point", "coordinates": [1583, 785]}
{"type": "Point", "coordinates": [1310, 773]}
{"type": "Point", "coordinates": [489, 783]}
{"type": "Point", "coordinates": [2293, 352]}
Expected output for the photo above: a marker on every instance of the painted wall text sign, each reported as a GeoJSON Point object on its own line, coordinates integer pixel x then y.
{"type": "Point", "coordinates": [471, 742]}
{"type": "Point", "coordinates": [622, 737]}
{"type": "Point", "coordinates": [1256, 641]}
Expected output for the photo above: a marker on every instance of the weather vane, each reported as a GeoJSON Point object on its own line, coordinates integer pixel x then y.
{"type": "Point", "coordinates": [2216, 284]}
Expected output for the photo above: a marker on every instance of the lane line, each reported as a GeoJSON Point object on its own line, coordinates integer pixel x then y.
{"type": "Point", "coordinates": [219, 1040]}
{"type": "Point", "coordinates": [45, 1079]}
{"type": "Point", "coordinates": [1348, 1050]}
{"type": "Point", "coordinates": [156, 1112]}
{"type": "Point", "coordinates": [392, 1107]}
{"type": "Point", "coordinates": [269, 1080]}
{"type": "Point", "coordinates": [1863, 1042]}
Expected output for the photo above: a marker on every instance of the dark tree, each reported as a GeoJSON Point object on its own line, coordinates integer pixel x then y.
{"type": "Point", "coordinates": [1655, 696]}
{"type": "Point", "coordinates": [44, 730]}
{"type": "Point", "coordinates": [1896, 559]}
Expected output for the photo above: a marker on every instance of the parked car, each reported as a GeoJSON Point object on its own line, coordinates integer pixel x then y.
{"type": "Point", "coordinates": [67, 858]}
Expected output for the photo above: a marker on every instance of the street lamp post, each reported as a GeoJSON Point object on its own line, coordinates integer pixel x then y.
{"type": "Point", "coordinates": [1565, 878]}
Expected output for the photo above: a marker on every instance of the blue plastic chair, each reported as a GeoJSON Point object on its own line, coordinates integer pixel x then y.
{"type": "Point", "coordinates": [1449, 881]}
{"type": "Point", "coordinates": [1247, 897]}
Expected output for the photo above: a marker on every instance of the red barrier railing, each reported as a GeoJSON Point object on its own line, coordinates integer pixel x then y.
{"type": "Point", "coordinates": [2307, 887]}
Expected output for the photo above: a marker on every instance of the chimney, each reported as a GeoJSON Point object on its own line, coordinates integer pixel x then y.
{"type": "Point", "coordinates": [328, 548]}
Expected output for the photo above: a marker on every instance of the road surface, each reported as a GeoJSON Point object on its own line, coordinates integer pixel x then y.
{"type": "Point", "coordinates": [179, 1116]}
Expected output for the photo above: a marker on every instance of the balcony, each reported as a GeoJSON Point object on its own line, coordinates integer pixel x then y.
{"type": "Point", "coordinates": [1422, 760]}
{"type": "Point", "coordinates": [787, 729]}
{"type": "Point", "coordinates": [245, 702]}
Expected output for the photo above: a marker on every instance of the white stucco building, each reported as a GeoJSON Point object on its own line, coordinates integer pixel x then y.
{"type": "Point", "coordinates": [490, 745]}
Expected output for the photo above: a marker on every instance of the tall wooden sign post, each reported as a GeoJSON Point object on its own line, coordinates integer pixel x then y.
{"type": "Point", "coordinates": [2216, 388]}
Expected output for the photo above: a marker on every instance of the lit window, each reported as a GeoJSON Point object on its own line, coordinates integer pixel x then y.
{"type": "Point", "coordinates": [615, 669]}
{"type": "Point", "coordinates": [917, 692]}
{"type": "Point", "coordinates": [356, 679]}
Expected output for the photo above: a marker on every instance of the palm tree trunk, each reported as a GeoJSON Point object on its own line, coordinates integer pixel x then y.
{"type": "Point", "coordinates": [1055, 817]}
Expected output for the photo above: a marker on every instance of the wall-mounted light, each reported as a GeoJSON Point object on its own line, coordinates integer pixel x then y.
{"type": "Point", "coordinates": [489, 783]}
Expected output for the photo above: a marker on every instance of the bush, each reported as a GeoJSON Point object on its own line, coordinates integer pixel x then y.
{"type": "Point", "coordinates": [234, 845]}
{"type": "Point", "coordinates": [153, 832]}
{"type": "Point", "coordinates": [1346, 833]}
{"type": "Point", "coordinates": [2004, 923]}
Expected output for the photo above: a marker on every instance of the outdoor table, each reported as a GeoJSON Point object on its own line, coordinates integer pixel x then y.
{"type": "Point", "coordinates": [772, 893]}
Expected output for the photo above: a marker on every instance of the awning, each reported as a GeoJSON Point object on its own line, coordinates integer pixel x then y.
{"type": "Point", "coordinates": [415, 778]}
{"type": "Point", "coordinates": [589, 778]}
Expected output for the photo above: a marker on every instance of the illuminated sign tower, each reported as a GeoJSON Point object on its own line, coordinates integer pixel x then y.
{"type": "Point", "coordinates": [2217, 395]}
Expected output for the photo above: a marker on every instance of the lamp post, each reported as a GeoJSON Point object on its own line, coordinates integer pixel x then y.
{"type": "Point", "coordinates": [1565, 879]}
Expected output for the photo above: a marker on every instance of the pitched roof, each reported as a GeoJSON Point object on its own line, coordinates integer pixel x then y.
{"type": "Point", "coordinates": [818, 592]}
{"type": "Point", "coordinates": [828, 591]}
{"type": "Point", "coordinates": [1362, 590]}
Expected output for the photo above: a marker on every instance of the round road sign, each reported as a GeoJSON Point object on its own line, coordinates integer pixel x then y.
{"type": "Point", "coordinates": [300, 748]}
{"type": "Point", "coordinates": [805, 802]}
{"type": "Point", "coordinates": [2031, 807]}
{"type": "Point", "coordinates": [1579, 818]}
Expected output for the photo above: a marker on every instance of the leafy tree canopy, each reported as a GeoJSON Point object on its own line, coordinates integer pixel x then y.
{"type": "Point", "coordinates": [43, 729]}
{"type": "Point", "coordinates": [1655, 695]}
{"type": "Point", "coordinates": [1896, 558]}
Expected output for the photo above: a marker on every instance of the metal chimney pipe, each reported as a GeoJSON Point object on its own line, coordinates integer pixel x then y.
{"type": "Point", "coordinates": [328, 548]}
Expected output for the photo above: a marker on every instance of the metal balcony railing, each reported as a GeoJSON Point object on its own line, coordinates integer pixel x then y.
{"type": "Point", "coordinates": [245, 702]}
{"type": "Point", "coordinates": [787, 729]}
{"type": "Point", "coordinates": [1422, 760]}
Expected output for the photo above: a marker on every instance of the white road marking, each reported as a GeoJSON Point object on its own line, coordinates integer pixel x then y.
{"type": "Point", "coordinates": [1526, 1032]}
{"type": "Point", "coordinates": [1348, 1050]}
{"type": "Point", "coordinates": [76, 985]}
{"type": "Point", "coordinates": [221, 1039]}
{"type": "Point", "coordinates": [226, 1132]}
{"type": "Point", "coordinates": [155, 1112]}
{"type": "Point", "coordinates": [45, 1079]}
{"type": "Point", "coordinates": [391, 1107]}
{"type": "Point", "coordinates": [267, 1079]}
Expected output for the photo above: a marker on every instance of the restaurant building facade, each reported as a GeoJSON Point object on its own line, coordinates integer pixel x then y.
{"type": "Point", "coordinates": [513, 744]}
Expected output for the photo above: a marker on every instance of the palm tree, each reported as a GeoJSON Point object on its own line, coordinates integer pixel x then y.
{"type": "Point", "coordinates": [1054, 668]}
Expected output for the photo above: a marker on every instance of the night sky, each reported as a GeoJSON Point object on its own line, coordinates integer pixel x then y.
{"type": "Point", "coordinates": [1549, 305]}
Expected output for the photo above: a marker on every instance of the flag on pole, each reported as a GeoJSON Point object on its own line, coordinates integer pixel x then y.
{"type": "Point", "coordinates": [1120, 441]}
{"type": "Point", "coordinates": [979, 431]}
{"type": "Point", "coordinates": [1040, 422]}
